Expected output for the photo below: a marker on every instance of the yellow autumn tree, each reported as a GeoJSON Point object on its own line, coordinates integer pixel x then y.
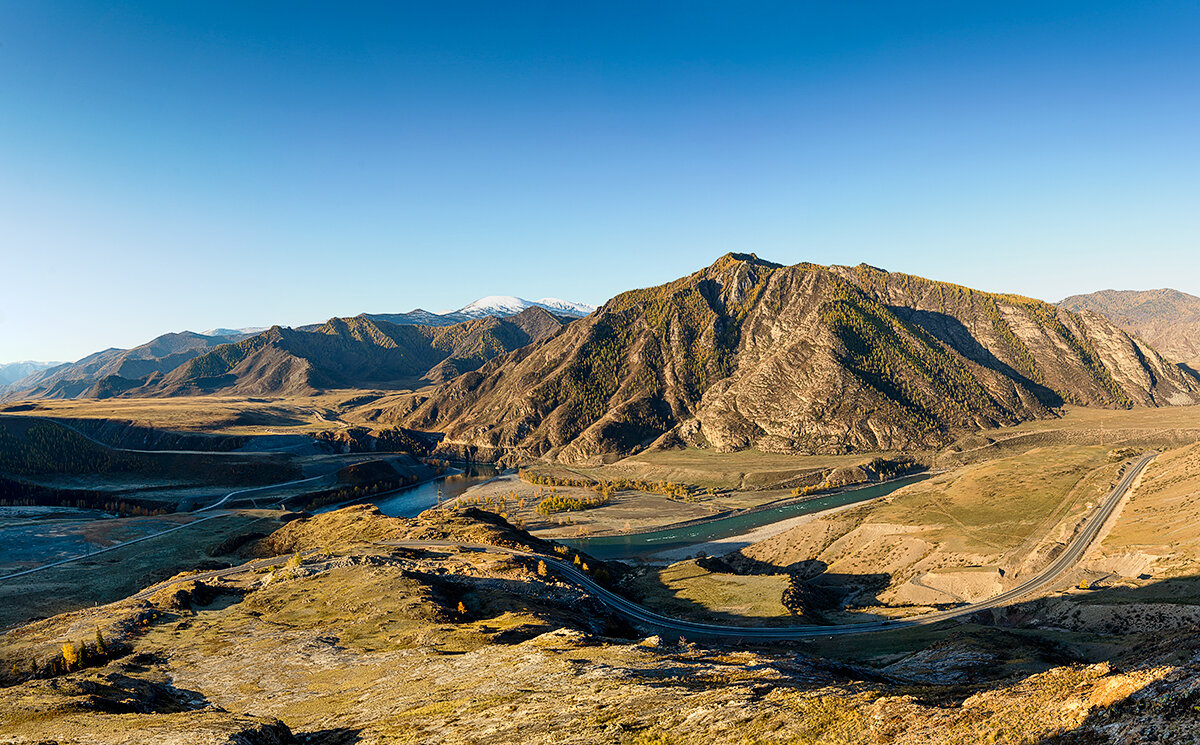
{"type": "Point", "coordinates": [70, 655]}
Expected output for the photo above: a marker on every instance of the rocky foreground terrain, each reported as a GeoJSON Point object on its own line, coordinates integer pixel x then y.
{"type": "Point", "coordinates": [339, 638]}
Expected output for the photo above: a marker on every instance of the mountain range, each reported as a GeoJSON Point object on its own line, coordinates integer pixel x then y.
{"type": "Point", "coordinates": [84, 379]}
{"type": "Point", "coordinates": [498, 306]}
{"type": "Point", "coordinates": [744, 353]}
{"type": "Point", "coordinates": [160, 366]}
{"type": "Point", "coordinates": [359, 352]}
{"type": "Point", "coordinates": [750, 354]}
{"type": "Point", "coordinates": [1167, 319]}
{"type": "Point", "coordinates": [11, 372]}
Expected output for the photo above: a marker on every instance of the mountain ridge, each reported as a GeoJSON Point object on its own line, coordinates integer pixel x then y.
{"type": "Point", "coordinates": [351, 352]}
{"type": "Point", "coordinates": [1168, 319]}
{"type": "Point", "coordinates": [748, 353]}
{"type": "Point", "coordinates": [115, 371]}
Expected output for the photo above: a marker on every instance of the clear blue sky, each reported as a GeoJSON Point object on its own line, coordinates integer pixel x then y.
{"type": "Point", "coordinates": [195, 164]}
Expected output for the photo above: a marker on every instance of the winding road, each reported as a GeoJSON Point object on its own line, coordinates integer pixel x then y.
{"type": "Point", "coordinates": [642, 616]}
{"type": "Point", "coordinates": [645, 617]}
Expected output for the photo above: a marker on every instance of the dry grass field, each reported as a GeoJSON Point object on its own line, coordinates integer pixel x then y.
{"type": "Point", "coordinates": [1156, 533]}
{"type": "Point", "coordinates": [962, 535]}
{"type": "Point", "coordinates": [1163, 428]}
{"type": "Point", "coordinates": [116, 574]}
{"type": "Point", "coordinates": [213, 414]}
{"type": "Point", "coordinates": [686, 590]}
{"type": "Point", "coordinates": [741, 470]}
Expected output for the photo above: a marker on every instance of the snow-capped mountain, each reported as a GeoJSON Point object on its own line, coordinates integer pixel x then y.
{"type": "Point", "coordinates": [568, 307]}
{"type": "Point", "coordinates": [494, 305]}
{"type": "Point", "coordinates": [248, 331]}
{"type": "Point", "coordinates": [508, 305]}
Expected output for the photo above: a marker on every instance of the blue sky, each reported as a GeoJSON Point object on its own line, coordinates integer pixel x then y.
{"type": "Point", "coordinates": [196, 164]}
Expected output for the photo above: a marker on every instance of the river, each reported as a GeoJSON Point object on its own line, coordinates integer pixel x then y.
{"type": "Point", "coordinates": [643, 545]}
{"type": "Point", "coordinates": [416, 499]}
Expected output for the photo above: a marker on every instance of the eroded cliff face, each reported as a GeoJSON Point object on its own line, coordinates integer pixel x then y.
{"type": "Point", "coordinates": [1079, 358]}
{"type": "Point", "coordinates": [746, 353]}
{"type": "Point", "coordinates": [1168, 319]}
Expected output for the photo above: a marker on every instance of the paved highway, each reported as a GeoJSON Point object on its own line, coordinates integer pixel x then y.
{"type": "Point", "coordinates": [645, 617]}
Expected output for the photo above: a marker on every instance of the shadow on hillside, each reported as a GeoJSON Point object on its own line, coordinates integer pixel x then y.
{"type": "Point", "coordinates": [1161, 605]}
{"type": "Point", "coordinates": [336, 736]}
{"type": "Point", "coordinates": [811, 591]}
{"type": "Point", "coordinates": [951, 331]}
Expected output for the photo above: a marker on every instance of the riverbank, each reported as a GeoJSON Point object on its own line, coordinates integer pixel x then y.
{"type": "Point", "coordinates": [729, 544]}
{"type": "Point", "coordinates": [688, 537]}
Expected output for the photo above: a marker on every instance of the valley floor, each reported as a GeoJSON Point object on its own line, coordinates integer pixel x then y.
{"type": "Point", "coordinates": [331, 635]}
{"type": "Point", "coordinates": [475, 646]}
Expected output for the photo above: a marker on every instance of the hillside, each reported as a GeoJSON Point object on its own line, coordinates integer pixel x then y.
{"type": "Point", "coordinates": [747, 353]}
{"type": "Point", "coordinates": [477, 645]}
{"type": "Point", "coordinates": [114, 370]}
{"type": "Point", "coordinates": [1167, 319]}
{"type": "Point", "coordinates": [352, 352]}
{"type": "Point", "coordinates": [11, 372]}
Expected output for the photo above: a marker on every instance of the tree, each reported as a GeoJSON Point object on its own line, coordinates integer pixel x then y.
{"type": "Point", "coordinates": [70, 655]}
{"type": "Point", "coordinates": [543, 570]}
{"type": "Point", "coordinates": [100, 646]}
{"type": "Point", "coordinates": [462, 609]}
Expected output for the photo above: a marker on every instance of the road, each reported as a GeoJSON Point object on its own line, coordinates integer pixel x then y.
{"type": "Point", "coordinates": [226, 498]}
{"type": "Point", "coordinates": [643, 616]}
{"type": "Point", "coordinates": [123, 544]}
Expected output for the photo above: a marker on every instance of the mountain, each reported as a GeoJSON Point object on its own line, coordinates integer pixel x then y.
{"type": "Point", "coordinates": [507, 305]}
{"type": "Point", "coordinates": [11, 372]}
{"type": "Point", "coordinates": [497, 306]}
{"type": "Point", "coordinates": [140, 371]}
{"type": "Point", "coordinates": [236, 333]}
{"type": "Point", "coordinates": [114, 370]}
{"type": "Point", "coordinates": [351, 352]}
{"type": "Point", "coordinates": [417, 317]}
{"type": "Point", "coordinates": [747, 353]}
{"type": "Point", "coordinates": [1167, 319]}
{"type": "Point", "coordinates": [567, 307]}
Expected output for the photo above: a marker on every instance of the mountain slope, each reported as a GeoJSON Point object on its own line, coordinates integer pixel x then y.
{"type": "Point", "coordinates": [746, 353]}
{"type": "Point", "coordinates": [11, 372]}
{"type": "Point", "coordinates": [352, 352]}
{"type": "Point", "coordinates": [101, 373]}
{"type": "Point", "coordinates": [1167, 319]}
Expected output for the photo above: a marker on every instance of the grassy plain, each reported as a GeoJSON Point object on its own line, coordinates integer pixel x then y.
{"type": "Point", "coordinates": [1166, 427]}
{"type": "Point", "coordinates": [115, 574]}
{"type": "Point", "coordinates": [687, 590]}
{"type": "Point", "coordinates": [737, 471]}
{"type": "Point", "coordinates": [1156, 533]}
{"type": "Point", "coordinates": [214, 414]}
